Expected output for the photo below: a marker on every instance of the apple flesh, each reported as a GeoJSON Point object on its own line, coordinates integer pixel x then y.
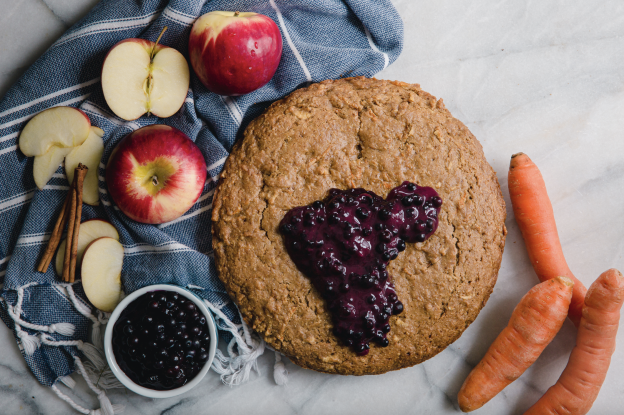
{"type": "Point", "coordinates": [46, 164]}
{"type": "Point", "coordinates": [101, 273]}
{"type": "Point", "coordinates": [89, 154]}
{"type": "Point", "coordinates": [57, 126]}
{"type": "Point", "coordinates": [155, 174]}
{"type": "Point", "coordinates": [90, 230]}
{"type": "Point", "coordinates": [140, 76]}
{"type": "Point", "coordinates": [234, 53]}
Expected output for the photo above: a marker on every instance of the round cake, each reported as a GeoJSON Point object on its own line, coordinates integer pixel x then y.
{"type": "Point", "coordinates": [370, 134]}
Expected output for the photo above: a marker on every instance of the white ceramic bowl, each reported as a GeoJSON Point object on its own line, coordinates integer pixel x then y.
{"type": "Point", "coordinates": [110, 355]}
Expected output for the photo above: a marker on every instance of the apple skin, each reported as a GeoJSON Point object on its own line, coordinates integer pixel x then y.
{"type": "Point", "coordinates": [234, 54]}
{"type": "Point", "coordinates": [155, 152]}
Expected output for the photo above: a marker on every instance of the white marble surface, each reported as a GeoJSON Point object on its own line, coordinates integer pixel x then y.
{"type": "Point", "coordinates": [543, 77]}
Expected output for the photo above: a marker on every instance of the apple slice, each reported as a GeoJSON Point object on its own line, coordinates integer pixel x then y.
{"type": "Point", "coordinates": [140, 76]}
{"type": "Point", "coordinates": [101, 273]}
{"type": "Point", "coordinates": [89, 154]}
{"type": "Point", "coordinates": [90, 230]}
{"type": "Point", "coordinates": [46, 164]}
{"type": "Point", "coordinates": [58, 126]}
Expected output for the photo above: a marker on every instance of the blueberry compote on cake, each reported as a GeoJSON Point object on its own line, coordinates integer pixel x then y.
{"type": "Point", "coordinates": [161, 340]}
{"type": "Point", "coordinates": [344, 243]}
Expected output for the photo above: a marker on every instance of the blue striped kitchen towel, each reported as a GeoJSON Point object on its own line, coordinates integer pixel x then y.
{"type": "Point", "coordinates": [322, 39]}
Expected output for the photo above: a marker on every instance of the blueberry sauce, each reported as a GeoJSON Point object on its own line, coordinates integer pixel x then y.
{"type": "Point", "coordinates": [161, 340]}
{"type": "Point", "coordinates": [344, 244]}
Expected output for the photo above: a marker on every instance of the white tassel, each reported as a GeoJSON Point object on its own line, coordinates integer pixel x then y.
{"type": "Point", "coordinates": [65, 329]}
{"type": "Point", "coordinates": [29, 343]}
{"type": "Point", "coordinates": [106, 407]}
{"type": "Point", "coordinates": [92, 354]}
{"type": "Point", "coordinates": [280, 374]}
{"type": "Point", "coordinates": [68, 381]}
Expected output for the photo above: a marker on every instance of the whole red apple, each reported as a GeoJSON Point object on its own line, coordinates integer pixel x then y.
{"type": "Point", "coordinates": [235, 53]}
{"type": "Point", "coordinates": [155, 174]}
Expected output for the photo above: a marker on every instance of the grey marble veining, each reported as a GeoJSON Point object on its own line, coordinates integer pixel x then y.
{"type": "Point", "coordinates": [545, 78]}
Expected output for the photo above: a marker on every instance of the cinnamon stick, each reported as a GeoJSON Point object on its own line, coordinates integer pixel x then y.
{"type": "Point", "coordinates": [80, 173]}
{"type": "Point", "coordinates": [55, 238]}
{"type": "Point", "coordinates": [71, 222]}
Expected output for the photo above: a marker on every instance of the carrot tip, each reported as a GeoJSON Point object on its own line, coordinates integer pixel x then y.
{"type": "Point", "coordinates": [516, 155]}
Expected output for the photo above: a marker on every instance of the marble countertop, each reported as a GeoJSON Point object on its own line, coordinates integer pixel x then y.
{"type": "Point", "coordinates": [542, 77]}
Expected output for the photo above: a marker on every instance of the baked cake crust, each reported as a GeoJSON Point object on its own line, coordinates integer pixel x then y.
{"type": "Point", "coordinates": [374, 134]}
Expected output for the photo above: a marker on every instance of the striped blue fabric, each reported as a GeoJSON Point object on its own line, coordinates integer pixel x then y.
{"type": "Point", "coordinates": [322, 39]}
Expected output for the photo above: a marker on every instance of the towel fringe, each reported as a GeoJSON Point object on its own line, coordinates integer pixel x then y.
{"type": "Point", "coordinates": [236, 367]}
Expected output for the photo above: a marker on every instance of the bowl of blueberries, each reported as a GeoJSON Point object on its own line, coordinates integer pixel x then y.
{"type": "Point", "coordinates": [160, 341]}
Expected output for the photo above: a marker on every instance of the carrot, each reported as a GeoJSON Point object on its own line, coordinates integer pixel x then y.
{"type": "Point", "coordinates": [579, 384]}
{"type": "Point", "coordinates": [535, 217]}
{"type": "Point", "coordinates": [533, 324]}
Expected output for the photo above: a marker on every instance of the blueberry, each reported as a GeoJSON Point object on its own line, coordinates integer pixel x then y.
{"type": "Point", "coordinates": [196, 331]}
{"type": "Point", "coordinates": [160, 328]}
{"type": "Point", "coordinates": [378, 226]}
{"type": "Point", "coordinates": [401, 245]}
{"type": "Point", "coordinates": [202, 357]}
{"type": "Point", "coordinates": [295, 220]}
{"type": "Point", "coordinates": [153, 305]}
{"type": "Point", "coordinates": [318, 205]}
{"type": "Point", "coordinates": [333, 205]}
{"type": "Point", "coordinates": [436, 201]}
{"type": "Point", "coordinates": [407, 200]}
{"type": "Point", "coordinates": [384, 342]}
{"type": "Point", "coordinates": [398, 307]}
{"type": "Point", "coordinates": [201, 320]}
{"type": "Point", "coordinates": [148, 320]}
{"type": "Point", "coordinates": [381, 248]}
{"type": "Point", "coordinates": [180, 314]}
{"type": "Point", "coordinates": [320, 219]}
{"type": "Point", "coordinates": [384, 214]}
{"type": "Point", "coordinates": [418, 201]}
{"type": "Point", "coordinates": [362, 213]}
{"type": "Point", "coordinates": [286, 228]}
{"type": "Point", "coordinates": [133, 341]}
{"type": "Point", "coordinates": [386, 256]}
{"type": "Point", "coordinates": [171, 322]}
{"type": "Point", "coordinates": [371, 299]}
{"type": "Point", "coordinates": [429, 224]}
{"type": "Point", "coordinates": [360, 347]}
{"type": "Point", "coordinates": [344, 287]}
{"type": "Point", "coordinates": [173, 371]}
{"type": "Point", "coordinates": [420, 237]}
{"type": "Point", "coordinates": [367, 231]}
{"type": "Point", "coordinates": [158, 364]}
{"type": "Point", "coordinates": [411, 187]}
{"type": "Point", "coordinates": [128, 329]}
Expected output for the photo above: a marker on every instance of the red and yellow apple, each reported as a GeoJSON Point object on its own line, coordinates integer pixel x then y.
{"type": "Point", "coordinates": [234, 53]}
{"type": "Point", "coordinates": [140, 76]}
{"type": "Point", "coordinates": [155, 174]}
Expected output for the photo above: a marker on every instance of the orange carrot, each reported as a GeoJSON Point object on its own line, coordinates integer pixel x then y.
{"type": "Point", "coordinates": [533, 324]}
{"type": "Point", "coordinates": [535, 217]}
{"type": "Point", "coordinates": [579, 384]}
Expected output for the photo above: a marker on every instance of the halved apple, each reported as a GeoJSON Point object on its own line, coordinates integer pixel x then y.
{"type": "Point", "coordinates": [101, 273]}
{"type": "Point", "coordinates": [46, 164]}
{"type": "Point", "coordinates": [88, 153]}
{"type": "Point", "coordinates": [58, 126]}
{"type": "Point", "coordinates": [140, 76]}
{"type": "Point", "coordinates": [90, 230]}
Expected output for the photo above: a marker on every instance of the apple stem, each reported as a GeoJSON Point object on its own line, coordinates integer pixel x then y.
{"type": "Point", "coordinates": [236, 13]}
{"type": "Point", "coordinates": [156, 44]}
{"type": "Point", "coordinates": [155, 180]}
